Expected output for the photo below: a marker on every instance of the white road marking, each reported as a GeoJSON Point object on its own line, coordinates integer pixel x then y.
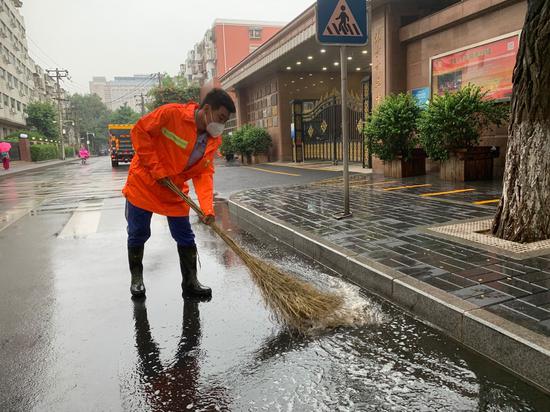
{"type": "Point", "coordinates": [83, 222]}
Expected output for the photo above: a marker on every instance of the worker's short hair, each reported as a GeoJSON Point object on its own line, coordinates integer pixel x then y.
{"type": "Point", "coordinates": [217, 98]}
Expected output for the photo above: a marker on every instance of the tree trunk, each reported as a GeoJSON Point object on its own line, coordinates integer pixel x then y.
{"type": "Point", "coordinates": [523, 214]}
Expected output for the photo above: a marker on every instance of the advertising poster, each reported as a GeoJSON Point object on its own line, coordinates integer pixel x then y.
{"type": "Point", "coordinates": [422, 96]}
{"type": "Point", "coordinates": [489, 66]}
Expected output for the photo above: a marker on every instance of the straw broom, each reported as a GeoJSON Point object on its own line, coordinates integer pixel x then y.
{"type": "Point", "coordinates": [294, 302]}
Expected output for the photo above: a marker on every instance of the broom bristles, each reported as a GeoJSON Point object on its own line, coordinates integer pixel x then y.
{"type": "Point", "coordinates": [295, 303]}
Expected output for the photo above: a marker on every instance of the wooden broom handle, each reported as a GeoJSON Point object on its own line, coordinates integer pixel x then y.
{"type": "Point", "coordinates": [172, 186]}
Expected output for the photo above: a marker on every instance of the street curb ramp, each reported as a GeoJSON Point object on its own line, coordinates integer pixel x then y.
{"type": "Point", "coordinates": [521, 351]}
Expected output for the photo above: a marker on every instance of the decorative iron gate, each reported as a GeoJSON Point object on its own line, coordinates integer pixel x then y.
{"type": "Point", "coordinates": [317, 133]}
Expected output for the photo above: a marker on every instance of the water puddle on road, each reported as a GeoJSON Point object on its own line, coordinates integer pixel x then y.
{"type": "Point", "coordinates": [232, 356]}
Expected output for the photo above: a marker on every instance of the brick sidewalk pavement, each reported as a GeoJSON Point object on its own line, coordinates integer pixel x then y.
{"type": "Point", "coordinates": [388, 226]}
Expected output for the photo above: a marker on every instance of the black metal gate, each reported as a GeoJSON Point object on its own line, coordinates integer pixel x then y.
{"type": "Point", "coordinates": [318, 132]}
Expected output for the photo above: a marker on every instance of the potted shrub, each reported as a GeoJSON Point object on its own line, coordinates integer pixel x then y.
{"type": "Point", "coordinates": [227, 148]}
{"type": "Point", "coordinates": [391, 132]}
{"type": "Point", "coordinates": [450, 129]}
{"type": "Point", "coordinates": [258, 140]}
{"type": "Point", "coordinates": [252, 143]}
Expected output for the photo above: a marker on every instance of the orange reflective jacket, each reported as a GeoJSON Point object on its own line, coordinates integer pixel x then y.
{"type": "Point", "coordinates": [163, 141]}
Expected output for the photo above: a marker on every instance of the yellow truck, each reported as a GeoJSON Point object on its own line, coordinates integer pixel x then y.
{"type": "Point", "coordinates": [120, 143]}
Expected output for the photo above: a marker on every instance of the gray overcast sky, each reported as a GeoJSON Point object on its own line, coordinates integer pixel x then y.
{"type": "Point", "coordinates": [125, 37]}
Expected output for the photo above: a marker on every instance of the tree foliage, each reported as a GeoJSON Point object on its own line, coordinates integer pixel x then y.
{"type": "Point", "coordinates": [391, 127]}
{"type": "Point", "coordinates": [456, 120]}
{"type": "Point", "coordinates": [91, 113]}
{"type": "Point", "coordinates": [43, 117]}
{"type": "Point", "coordinates": [173, 90]}
{"type": "Point", "coordinates": [124, 115]}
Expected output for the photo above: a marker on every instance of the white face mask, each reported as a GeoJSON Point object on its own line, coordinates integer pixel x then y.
{"type": "Point", "coordinates": [213, 128]}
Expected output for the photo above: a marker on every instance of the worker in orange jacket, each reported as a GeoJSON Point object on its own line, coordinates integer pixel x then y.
{"type": "Point", "coordinates": [176, 142]}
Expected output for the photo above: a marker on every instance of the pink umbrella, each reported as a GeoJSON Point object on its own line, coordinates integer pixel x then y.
{"type": "Point", "coordinates": [5, 147]}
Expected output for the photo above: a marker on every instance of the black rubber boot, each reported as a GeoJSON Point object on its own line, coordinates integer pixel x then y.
{"type": "Point", "coordinates": [135, 258]}
{"type": "Point", "coordinates": [190, 285]}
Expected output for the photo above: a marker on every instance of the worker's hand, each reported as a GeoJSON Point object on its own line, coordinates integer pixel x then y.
{"type": "Point", "coordinates": [164, 181]}
{"type": "Point", "coordinates": [208, 219]}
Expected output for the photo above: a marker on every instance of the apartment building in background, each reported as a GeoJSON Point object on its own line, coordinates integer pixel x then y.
{"type": "Point", "coordinates": [21, 79]}
{"type": "Point", "coordinates": [224, 45]}
{"type": "Point", "coordinates": [122, 90]}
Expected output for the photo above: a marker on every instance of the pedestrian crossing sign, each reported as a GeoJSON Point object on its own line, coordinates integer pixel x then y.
{"type": "Point", "coordinates": [342, 22]}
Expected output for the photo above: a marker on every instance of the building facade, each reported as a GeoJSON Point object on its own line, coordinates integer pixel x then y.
{"type": "Point", "coordinates": [423, 46]}
{"type": "Point", "coordinates": [122, 90]}
{"type": "Point", "coordinates": [224, 45]}
{"type": "Point", "coordinates": [17, 69]}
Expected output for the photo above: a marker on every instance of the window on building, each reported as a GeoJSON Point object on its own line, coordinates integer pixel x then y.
{"type": "Point", "coordinates": [255, 33]}
{"type": "Point", "coordinates": [6, 100]}
{"type": "Point", "coordinates": [252, 48]}
{"type": "Point", "coordinates": [18, 106]}
{"type": "Point", "coordinates": [12, 101]}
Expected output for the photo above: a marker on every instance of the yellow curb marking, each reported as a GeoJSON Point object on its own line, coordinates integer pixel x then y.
{"type": "Point", "coordinates": [271, 171]}
{"type": "Point", "coordinates": [388, 189]}
{"type": "Point", "coordinates": [450, 192]}
{"type": "Point", "coordinates": [486, 202]}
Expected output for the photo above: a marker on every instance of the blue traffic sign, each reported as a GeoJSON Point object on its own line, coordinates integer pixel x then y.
{"type": "Point", "coordinates": [342, 22]}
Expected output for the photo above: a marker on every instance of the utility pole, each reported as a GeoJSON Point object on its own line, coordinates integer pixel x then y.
{"type": "Point", "coordinates": [159, 79]}
{"type": "Point", "coordinates": [58, 74]}
{"type": "Point", "coordinates": [142, 103]}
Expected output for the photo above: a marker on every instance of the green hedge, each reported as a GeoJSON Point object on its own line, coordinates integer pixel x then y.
{"type": "Point", "coordinates": [456, 120]}
{"type": "Point", "coordinates": [69, 152]}
{"type": "Point", "coordinates": [41, 152]}
{"type": "Point", "coordinates": [247, 140]}
{"type": "Point", "coordinates": [391, 127]}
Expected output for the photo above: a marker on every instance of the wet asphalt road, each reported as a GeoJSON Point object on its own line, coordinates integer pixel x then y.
{"type": "Point", "coordinates": [72, 339]}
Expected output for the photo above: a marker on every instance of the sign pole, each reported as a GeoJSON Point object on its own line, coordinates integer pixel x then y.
{"type": "Point", "coordinates": [342, 23]}
{"type": "Point", "coordinates": [345, 128]}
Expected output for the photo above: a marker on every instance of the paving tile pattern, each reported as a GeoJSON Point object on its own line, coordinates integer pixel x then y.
{"type": "Point", "coordinates": [387, 226]}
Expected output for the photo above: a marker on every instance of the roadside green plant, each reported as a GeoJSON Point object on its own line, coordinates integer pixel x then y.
{"type": "Point", "coordinates": [455, 121]}
{"type": "Point", "coordinates": [40, 152]}
{"type": "Point", "coordinates": [69, 152]}
{"type": "Point", "coordinates": [391, 128]}
{"type": "Point", "coordinates": [257, 140]}
{"type": "Point", "coordinates": [227, 148]}
{"type": "Point", "coordinates": [250, 140]}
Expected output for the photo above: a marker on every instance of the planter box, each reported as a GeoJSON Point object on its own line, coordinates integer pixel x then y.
{"type": "Point", "coordinates": [254, 159]}
{"type": "Point", "coordinates": [475, 163]}
{"type": "Point", "coordinates": [399, 167]}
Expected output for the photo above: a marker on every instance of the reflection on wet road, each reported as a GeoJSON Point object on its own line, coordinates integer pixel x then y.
{"type": "Point", "coordinates": [72, 339]}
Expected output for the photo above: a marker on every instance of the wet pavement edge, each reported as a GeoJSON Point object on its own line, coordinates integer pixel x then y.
{"type": "Point", "coordinates": [522, 352]}
{"type": "Point", "coordinates": [36, 166]}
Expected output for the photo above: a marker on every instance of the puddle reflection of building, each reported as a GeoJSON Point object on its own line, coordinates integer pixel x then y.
{"type": "Point", "coordinates": [176, 385]}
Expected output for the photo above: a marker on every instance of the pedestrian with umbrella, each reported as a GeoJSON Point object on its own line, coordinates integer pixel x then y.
{"type": "Point", "coordinates": [5, 154]}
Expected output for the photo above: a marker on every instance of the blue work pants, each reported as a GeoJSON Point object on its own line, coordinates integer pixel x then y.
{"type": "Point", "coordinates": [139, 227]}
